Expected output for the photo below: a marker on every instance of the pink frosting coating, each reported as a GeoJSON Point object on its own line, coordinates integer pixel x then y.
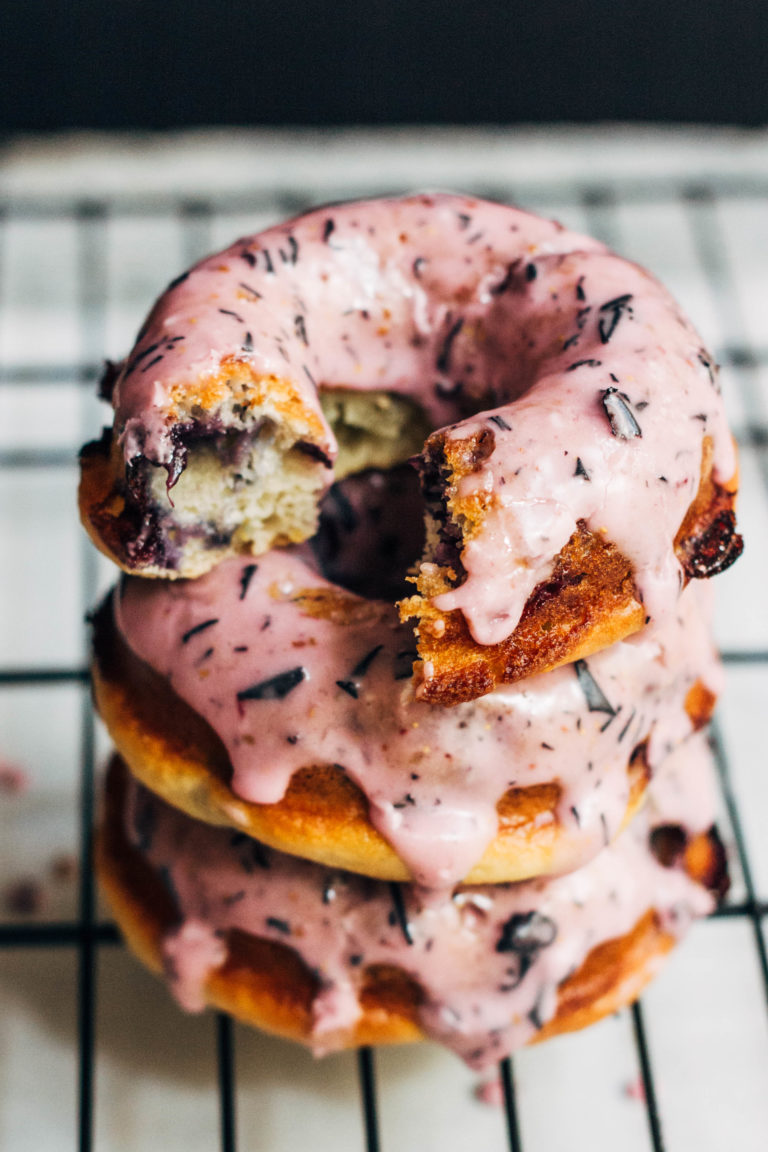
{"type": "Point", "coordinates": [457, 301]}
{"type": "Point", "coordinates": [284, 689]}
{"type": "Point", "coordinates": [490, 958]}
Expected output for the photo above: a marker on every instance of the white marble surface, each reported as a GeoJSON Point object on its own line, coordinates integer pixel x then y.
{"type": "Point", "coordinates": [155, 1083]}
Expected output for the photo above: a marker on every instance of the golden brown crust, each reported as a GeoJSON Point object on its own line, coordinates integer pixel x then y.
{"type": "Point", "coordinates": [588, 603]}
{"type": "Point", "coordinates": [266, 984]}
{"type": "Point", "coordinates": [323, 815]}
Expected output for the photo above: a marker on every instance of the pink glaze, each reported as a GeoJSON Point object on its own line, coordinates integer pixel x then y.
{"type": "Point", "coordinates": [432, 776]}
{"type": "Point", "coordinates": [489, 981]}
{"type": "Point", "coordinates": [464, 304]}
{"type": "Point", "coordinates": [490, 1092]}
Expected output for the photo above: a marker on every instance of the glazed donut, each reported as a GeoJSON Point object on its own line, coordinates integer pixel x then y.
{"type": "Point", "coordinates": [265, 697]}
{"type": "Point", "coordinates": [577, 468]}
{"type": "Point", "coordinates": [336, 960]}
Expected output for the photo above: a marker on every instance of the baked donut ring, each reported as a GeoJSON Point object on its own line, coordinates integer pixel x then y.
{"type": "Point", "coordinates": [265, 697]}
{"type": "Point", "coordinates": [335, 960]}
{"type": "Point", "coordinates": [585, 467]}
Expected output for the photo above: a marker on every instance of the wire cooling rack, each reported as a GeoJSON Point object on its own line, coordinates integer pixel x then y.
{"type": "Point", "coordinates": [91, 1053]}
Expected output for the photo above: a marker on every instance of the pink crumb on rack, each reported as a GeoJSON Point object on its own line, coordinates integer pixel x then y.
{"type": "Point", "coordinates": [63, 867]}
{"type": "Point", "coordinates": [635, 1089]}
{"type": "Point", "coordinates": [490, 1092]}
{"type": "Point", "coordinates": [13, 779]}
{"type": "Point", "coordinates": [23, 897]}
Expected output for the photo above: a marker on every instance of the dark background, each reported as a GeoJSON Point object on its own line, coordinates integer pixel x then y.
{"type": "Point", "coordinates": [153, 64]}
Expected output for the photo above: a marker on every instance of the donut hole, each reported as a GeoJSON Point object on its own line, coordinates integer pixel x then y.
{"type": "Point", "coordinates": [371, 532]}
{"type": "Point", "coordinates": [372, 429]}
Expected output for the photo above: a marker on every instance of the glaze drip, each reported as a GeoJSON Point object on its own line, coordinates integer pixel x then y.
{"type": "Point", "coordinates": [299, 672]}
{"type": "Point", "coordinates": [488, 959]}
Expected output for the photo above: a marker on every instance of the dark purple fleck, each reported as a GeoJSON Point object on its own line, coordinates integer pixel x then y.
{"type": "Point", "coordinates": [300, 328]}
{"type": "Point", "coordinates": [580, 295]}
{"type": "Point", "coordinates": [292, 739]}
{"type": "Point", "coordinates": [604, 823]}
{"type": "Point", "coordinates": [526, 932]}
{"type": "Point", "coordinates": [625, 729]}
{"type": "Point", "coordinates": [418, 264]}
{"type": "Point", "coordinates": [279, 925]}
{"type": "Point", "coordinates": [349, 687]}
{"type": "Point", "coordinates": [328, 228]}
{"type": "Point", "coordinates": [464, 220]}
{"type": "Point", "coordinates": [292, 256]}
{"type": "Point", "coordinates": [277, 687]}
{"type": "Point", "coordinates": [581, 470]}
{"type": "Point", "coordinates": [500, 422]}
{"type": "Point", "coordinates": [363, 665]}
{"type": "Point", "coordinates": [309, 376]}
{"type": "Point", "coordinates": [596, 700]}
{"type": "Point", "coordinates": [610, 314]}
{"type": "Point", "coordinates": [247, 344]}
{"type": "Point", "coordinates": [400, 916]}
{"type": "Point", "coordinates": [268, 262]}
{"type": "Point", "coordinates": [710, 367]}
{"type": "Point", "coordinates": [251, 291]}
{"type": "Point", "coordinates": [152, 363]}
{"type": "Point", "coordinates": [249, 257]}
{"type": "Point", "coordinates": [610, 720]}
{"type": "Point", "coordinates": [198, 628]}
{"type": "Point", "coordinates": [531, 272]}
{"type": "Point", "coordinates": [584, 364]}
{"type": "Point", "coordinates": [247, 575]}
{"type": "Point", "coordinates": [229, 312]}
{"type": "Point", "coordinates": [535, 1016]}
{"type": "Point", "coordinates": [444, 358]}
{"type": "Point", "coordinates": [620, 415]}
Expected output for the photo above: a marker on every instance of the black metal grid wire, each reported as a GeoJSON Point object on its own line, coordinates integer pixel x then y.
{"type": "Point", "coordinates": [601, 203]}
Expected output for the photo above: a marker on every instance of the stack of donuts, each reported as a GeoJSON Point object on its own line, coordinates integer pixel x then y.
{"type": "Point", "coordinates": [409, 673]}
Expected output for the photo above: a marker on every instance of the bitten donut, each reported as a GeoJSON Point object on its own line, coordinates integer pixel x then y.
{"type": "Point", "coordinates": [266, 697]}
{"type": "Point", "coordinates": [577, 465]}
{"type": "Point", "coordinates": [335, 960]}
